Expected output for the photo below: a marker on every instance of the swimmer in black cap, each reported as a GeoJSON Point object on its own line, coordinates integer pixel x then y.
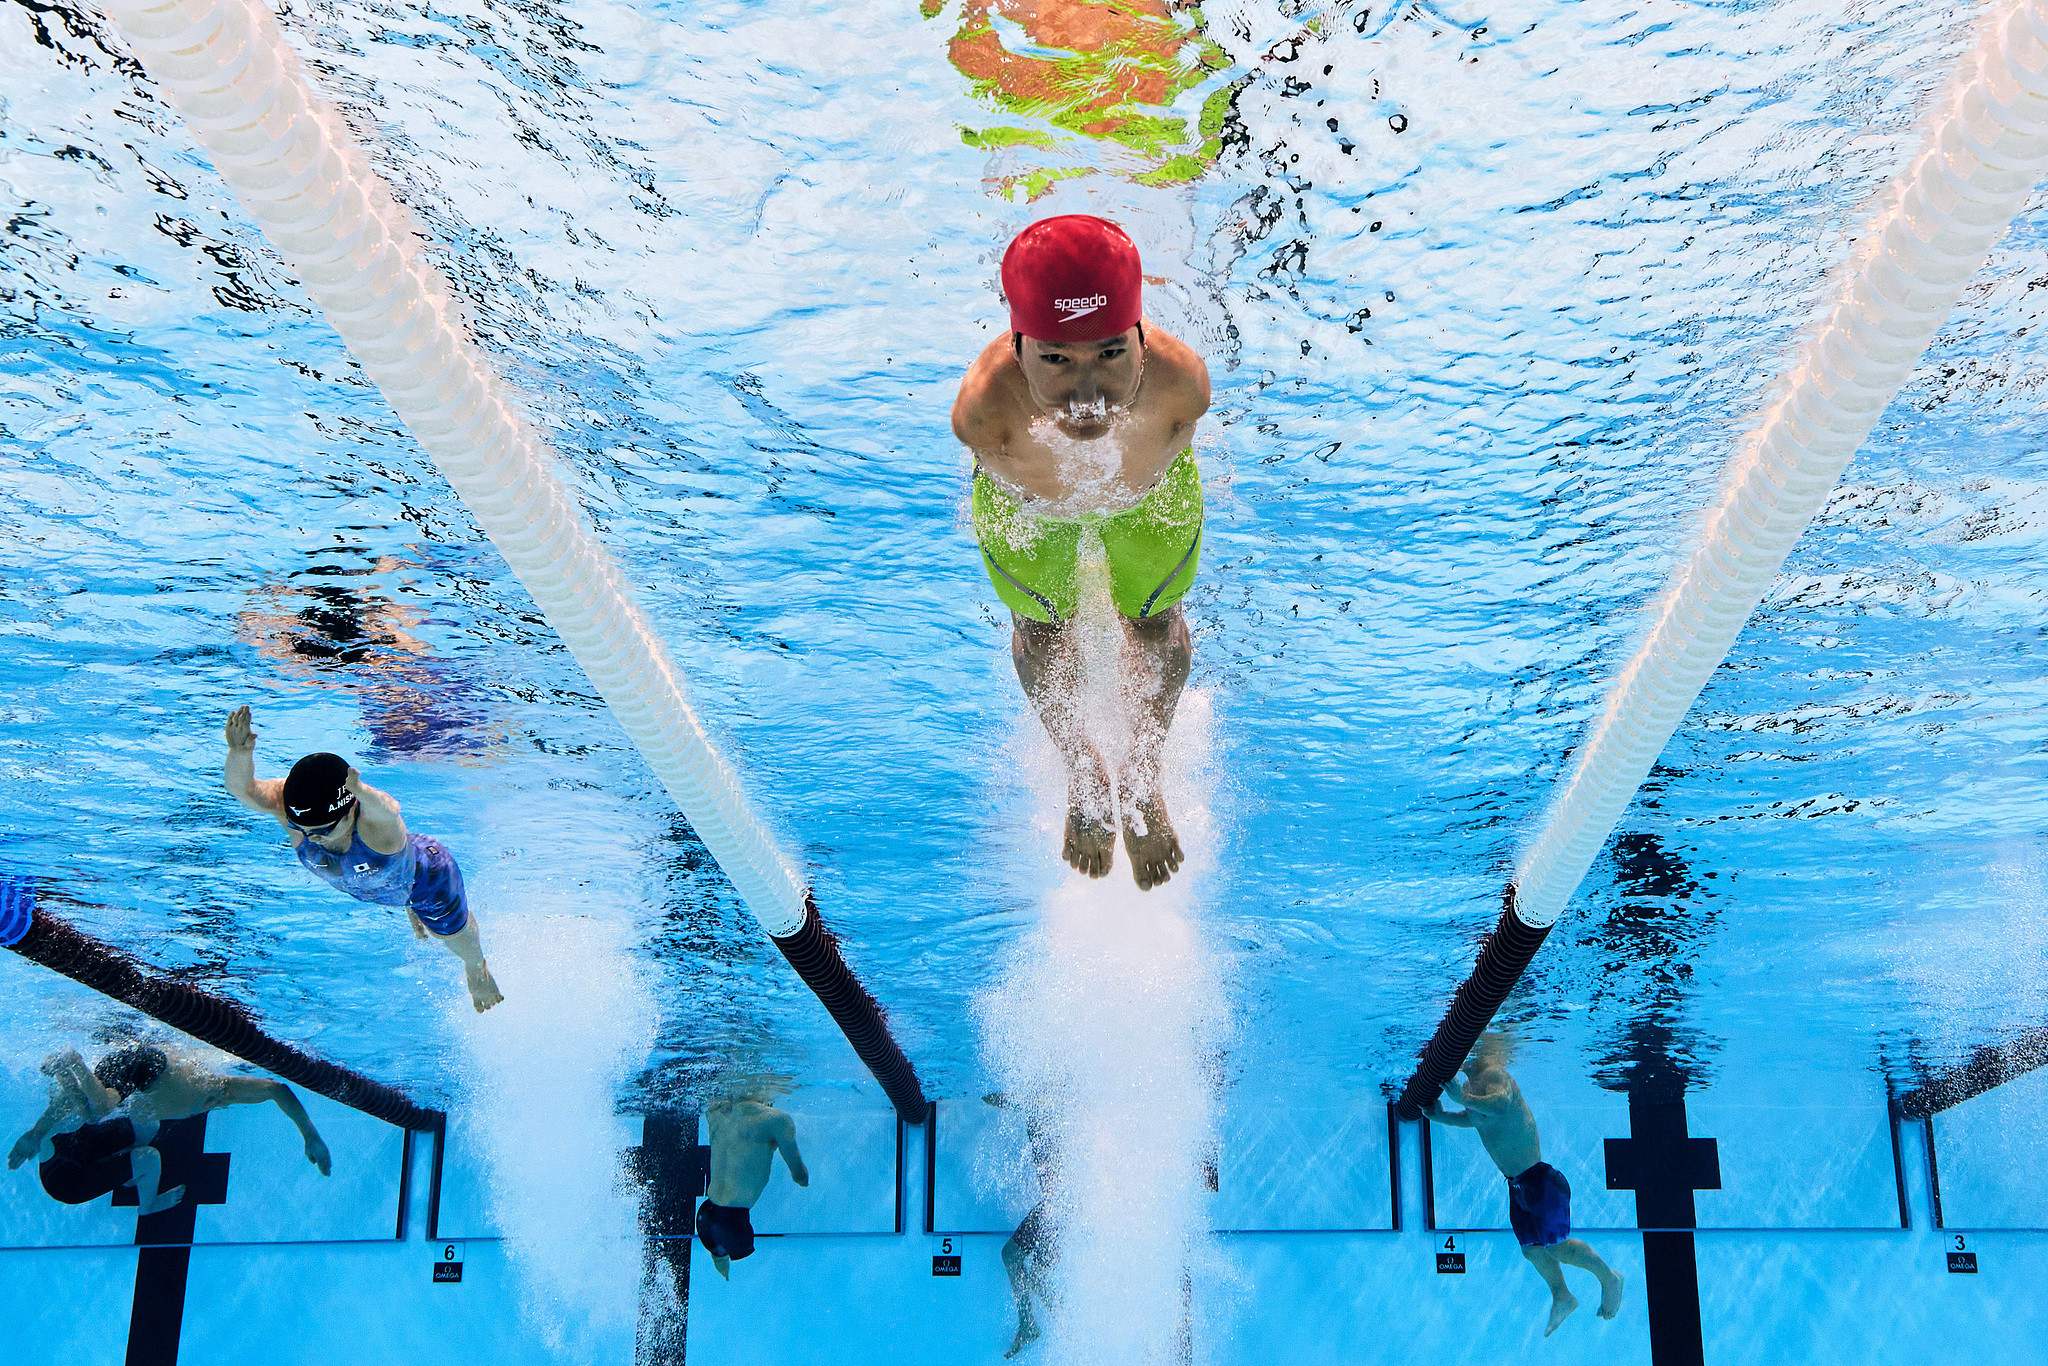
{"type": "Point", "coordinates": [98, 1131]}
{"type": "Point", "coordinates": [349, 834]}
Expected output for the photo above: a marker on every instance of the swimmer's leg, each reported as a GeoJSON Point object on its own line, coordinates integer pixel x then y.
{"type": "Point", "coordinates": [466, 945]}
{"type": "Point", "coordinates": [148, 1166]}
{"type": "Point", "coordinates": [1562, 1301]}
{"type": "Point", "coordinates": [1158, 654]}
{"type": "Point", "coordinates": [70, 1076]}
{"type": "Point", "coordinates": [1049, 667]}
{"type": "Point", "coordinates": [1575, 1252]}
{"type": "Point", "coordinates": [1023, 1282]}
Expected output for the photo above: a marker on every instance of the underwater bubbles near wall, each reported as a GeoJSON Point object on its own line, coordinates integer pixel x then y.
{"type": "Point", "coordinates": [1103, 1030]}
{"type": "Point", "coordinates": [543, 1073]}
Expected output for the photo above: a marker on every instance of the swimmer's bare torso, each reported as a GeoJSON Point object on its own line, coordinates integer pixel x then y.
{"type": "Point", "coordinates": [1496, 1111]}
{"type": "Point", "coordinates": [186, 1088]}
{"type": "Point", "coordinates": [1076, 428]}
{"type": "Point", "coordinates": [745, 1136]}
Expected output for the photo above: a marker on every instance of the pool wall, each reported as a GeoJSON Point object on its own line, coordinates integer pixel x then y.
{"type": "Point", "coordinates": [1849, 1297]}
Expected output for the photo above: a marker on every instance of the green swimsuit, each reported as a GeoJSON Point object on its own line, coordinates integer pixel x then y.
{"type": "Point", "coordinates": [1152, 548]}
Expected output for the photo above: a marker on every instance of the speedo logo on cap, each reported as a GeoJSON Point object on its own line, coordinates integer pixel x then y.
{"type": "Point", "coordinates": [1080, 308]}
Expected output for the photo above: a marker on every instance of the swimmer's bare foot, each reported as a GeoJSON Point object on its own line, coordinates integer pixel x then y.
{"type": "Point", "coordinates": [1610, 1295]}
{"type": "Point", "coordinates": [1561, 1307]}
{"type": "Point", "coordinates": [1149, 840]}
{"type": "Point", "coordinates": [483, 989]}
{"type": "Point", "coordinates": [1027, 1333]}
{"type": "Point", "coordinates": [164, 1200]}
{"type": "Point", "coordinates": [1091, 840]}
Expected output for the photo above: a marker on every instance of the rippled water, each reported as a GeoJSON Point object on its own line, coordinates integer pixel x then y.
{"type": "Point", "coordinates": [1487, 305]}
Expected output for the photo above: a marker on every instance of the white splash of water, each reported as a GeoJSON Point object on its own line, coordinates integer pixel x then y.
{"type": "Point", "coordinates": [1100, 1029]}
{"type": "Point", "coordinates": [545, 1070]}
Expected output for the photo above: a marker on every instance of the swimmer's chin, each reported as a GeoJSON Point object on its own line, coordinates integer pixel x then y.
{"type": "Point", "coordinates": [1084, 428]}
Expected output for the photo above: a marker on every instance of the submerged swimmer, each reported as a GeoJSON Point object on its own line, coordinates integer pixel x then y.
{"type": "Point", "coordinates": [1031, 1252]}
{"type": "Point", "coordinates": [745, 1136]}
{"type": "Point", "coordinates": [1539, 1198]}
{"type": "Point", "coordinates": [1081, 419]}
{"type": "Point", "coordinates": [100, 1124]}
{"type": "Point", "coordinates": [350, 835]}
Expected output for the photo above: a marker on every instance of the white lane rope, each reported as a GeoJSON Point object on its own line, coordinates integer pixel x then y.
{"type": "Point", "coordinates": [1989, 149]}
{"type": "Point", "coordinates": [227, 67]}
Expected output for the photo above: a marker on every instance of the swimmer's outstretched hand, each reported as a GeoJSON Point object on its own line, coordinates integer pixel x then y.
{"type": "Point", "coordinates": [241, 734]}
{"type": "Point", "coordinates": [317, 1154]}
{"type": "Point", "coordinates": [25, 1147]}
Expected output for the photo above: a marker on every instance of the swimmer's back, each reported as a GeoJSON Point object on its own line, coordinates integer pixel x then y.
{"type": "Point", "coordinates": [743, 1138]}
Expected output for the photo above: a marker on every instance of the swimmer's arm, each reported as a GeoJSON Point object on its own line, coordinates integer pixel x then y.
{"type": "Point", "coordinates": [266, 796]}
{"type": "Point", "coordinates": [1455, 1119]}
{"type": "Point", "coordinates": [784, 1132]}
{"type": "Point", "coordinates": [383, 829]}
{"type": "Point", "coordinates": [1187, 376]}
{"type": "Point", "coordinates": [84, 1091]}
{"type": "Point", "coordinates": [1496, 1100]}
{"type": "Point", "coordinates": [979, 417]}
{"type": "Point", "coordinates": [30, 1143]}
{"type": "Point", "coordinates": [256, 1090]}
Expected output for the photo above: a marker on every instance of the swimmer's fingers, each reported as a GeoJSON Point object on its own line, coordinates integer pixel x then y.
{"type": "Point", "coordinates": [240, 732]}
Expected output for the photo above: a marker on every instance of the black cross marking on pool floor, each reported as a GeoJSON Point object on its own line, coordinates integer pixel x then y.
{"type": "Point", "coordinates": [1664, 1165]}
{"type": "Point", "coordinates": [157, 1319]}
{"type": "Point", "coordinates": [672, 1170]}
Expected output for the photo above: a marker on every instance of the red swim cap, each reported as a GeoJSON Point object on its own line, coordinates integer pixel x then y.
{"type": "Point", "coordinates": [1072, 279]}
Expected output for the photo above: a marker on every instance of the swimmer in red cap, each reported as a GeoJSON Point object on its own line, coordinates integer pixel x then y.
{"type": "Point", "coordinates": [1081, 418]}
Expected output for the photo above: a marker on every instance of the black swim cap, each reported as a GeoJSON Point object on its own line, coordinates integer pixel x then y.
{"type": "Point", "coordinates": [128, 1070]}
{"type": "Point", "coordinates": [315, 791]}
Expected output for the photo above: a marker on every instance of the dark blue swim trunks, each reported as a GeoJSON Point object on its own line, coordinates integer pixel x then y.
{"type": "Point", "coordinates": [1540, 1206]}
{"type": "Point", "coordinates": [725, 1230]}
{"type": "Point", "coordinates": [437, 895]}
{"type": "Point", "coordinates": [89, 1162]}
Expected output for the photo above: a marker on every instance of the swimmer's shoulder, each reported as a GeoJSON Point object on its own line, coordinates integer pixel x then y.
{"type": "Point", "coordinates": [1181, 375]}
{"type": "Point", "coordinates": [991, 397]}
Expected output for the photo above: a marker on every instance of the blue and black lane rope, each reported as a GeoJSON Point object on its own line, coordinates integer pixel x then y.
{"type": "Point", "coordinates": [32, 931]}
{"type": "Point", "coordinates": [1502, 959]}
{"type": "Point", "coordinates": [814, 952]}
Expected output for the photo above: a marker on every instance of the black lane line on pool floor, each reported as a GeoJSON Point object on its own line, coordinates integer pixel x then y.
{"type": "Point", "coordinates": [672, 1170]}
{"type": "Point", "coordinates": [157, 1319]}
{"type": "Point", "coordinates": [1664, 1165]}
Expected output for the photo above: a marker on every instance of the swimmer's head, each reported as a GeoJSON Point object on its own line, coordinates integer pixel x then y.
{"type": "Point", "coordinates": [1491, 1049]}
{"type": "Point", "coordinates": [1074, 278]}
{"type": "Point", "coordinates": [130, 1069]}
{"type": "Point", "coordinates": [316, 794]}
{"type": "Point", "coordinates": [1075, 290]}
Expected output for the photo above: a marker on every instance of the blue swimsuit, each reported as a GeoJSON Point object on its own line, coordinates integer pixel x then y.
{"type": "Point", "coordinates": [422, 875]}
